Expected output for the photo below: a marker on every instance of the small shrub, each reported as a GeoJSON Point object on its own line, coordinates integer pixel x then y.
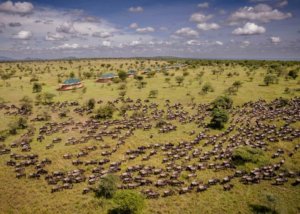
{"type": "Point", "coordinates": [153, 94]}
{"type": "Point", "coordinates": [219, 118]}
{"type": "Point", "coordinates": [37, 87]}
{"type": "Point", "coordinates": [207, 87]}
{"type": "Point", "coordinates": [179, 80]}
{"type": "Point", "coordinates": [104, 112]}
{"type": "Point", "coordinates": [91, 104]}
{"type": "Point", "coordinates": [127, 202]}
{"type": "Point", "coordinates": [223, 102]}
{"type": "Point", "coordinates": [270, 79]}
{"type": "Point", "coordinates": [246, 154]}
{"type": "Point", "coordinates": [293, 74]}
{"type": "Point", "coordinates": [107, 186]}
{"type": "Point", "coordinates": [122, 75]}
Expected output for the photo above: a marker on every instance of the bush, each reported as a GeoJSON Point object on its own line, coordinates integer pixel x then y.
{"type": "Point", "coordinates": [107, 186]}
{"type": "Point", "coordinates": [219, 118]}
{"type": "Point", "coordinates": [270, 79]}
{"type": "Point", "coordinates": [127, 202]}
{"type": "Point", "coordinates": [207, 87]}
{"type": "Point", "coordinates": [104, 112]}
{"type": "Point", "coordinates": [293, 74]}
{"type": "Point", "coordinates": [45, 98]}
{"type": "Point", "coordinates": [37, 87]}
{"type": "Point", "coordinates": [153, 94]}
{"type": "Point", "coordinates": [20, 123]}
{"type": "Point", "coordinates": [122, 75]}
{"type": "Point", "coordinates": [91, 104]}
{"type": "Point", "coordinates": [160, 124]}
{"type": "Point", "coordinates": [223, 102]}
{"type": "Point", "coordinates": [179, 80]}
{"type": "Point", "coordinates": [246, 154]}
{"type": "Point", "coordinates": [26, 104]}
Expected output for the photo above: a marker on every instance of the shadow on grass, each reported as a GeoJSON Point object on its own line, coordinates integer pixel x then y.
{"type": "Point", "coordinates": [118, 211]}
{"type": "Point", "coordinates": [261, 209]}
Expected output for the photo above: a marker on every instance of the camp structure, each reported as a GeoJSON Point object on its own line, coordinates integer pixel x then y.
{"type": "Point", "coordinates": [70, 84]}
{"type": "Point", "coordinates": [145, 71]}
{"type": "Point", "coordinates": [107, 77]}
{"type": "Point", "coordinates": [131, 73]}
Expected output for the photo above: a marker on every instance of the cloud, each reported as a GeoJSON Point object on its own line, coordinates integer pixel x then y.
{"type": "Point", "coordinates": [134, 43]}
{"type": "Point", "coordinates": [25, 35]}
{"type": "Point", "coordinates": [187, 32]}
{"type": "Point", "coordinates": [245, 44]}
{"type": "Point", "coordinates": [67, 46]}
{"type": "Point", "coordinates": [66, 27]}
{"type": "Point", "coordinates": [14, 24]}
{"type": "Point", "coordinates": [145, 30]}
{"type": "Point", "coordinates": [102, 34]}
{"type": "Point", "coordinates": [193, 42]}
{"type": "Point", "coordinates": [208, 26]}
{"type": "Point", "coordinates": [134, 25]}
{"type": "Point", "coordinates": [275, 40]}
{"type": "Point", "coordinates": [282, 3]}
{"type": "Point", "coordinates": [54, 37]}
{"type": "Point", "coordinates": [219, 43]}
{"type": "Point", "coordinates": [203, 5]}
{"type": "Point", "coordinates": [249, 29]}
{"type": "Point", "coordinates": [137, 9]}
{"type": "Point", "coordinates": [199, 17]}
{"type": "Point", "coordinates": [17, 8]}
{"type": "Point", "coordinates": [261, 12]}
{"type": "Point", "coordinates": [106, 43]}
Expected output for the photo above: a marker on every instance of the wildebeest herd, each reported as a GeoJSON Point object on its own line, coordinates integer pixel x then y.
{"type": "Point", "coordinates": [256, 124]}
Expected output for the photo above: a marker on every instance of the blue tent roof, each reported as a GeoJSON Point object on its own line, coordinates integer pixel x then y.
{"type": "Point", "coordinates": [71, 81]}
{"type": "Point", "coordinates": [107, 75]}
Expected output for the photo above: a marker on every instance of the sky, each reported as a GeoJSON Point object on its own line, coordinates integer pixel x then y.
{"type": "Point", "coordinates": [221, 29]}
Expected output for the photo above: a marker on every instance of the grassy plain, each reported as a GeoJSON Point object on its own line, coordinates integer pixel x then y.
{"type": "Point", "coordinates": [33, 196]}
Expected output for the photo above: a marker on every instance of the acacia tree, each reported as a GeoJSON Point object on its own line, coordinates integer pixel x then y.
{"type": "Point", "coordinates": [122, 75]}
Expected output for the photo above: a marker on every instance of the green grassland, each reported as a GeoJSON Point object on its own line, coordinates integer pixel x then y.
{"type": "Point", "coordinates": [34, 196]}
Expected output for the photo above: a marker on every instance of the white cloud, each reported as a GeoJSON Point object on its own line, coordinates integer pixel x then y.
{"type": "Point", "coordinates": [137, 9]}
{"type": "Point", "coordinates": [283, 3]}
{"type": "Point", "coordinates": [135, 42]}
{"type": "Point", "coordinates": [106, 43]}
{"type": "Point", "coordinates": [54, 36]}
{"type": "Point", "coordinates": [203, 5]}
{"type": "Point", "coordinates": [67, 46]}
{"type": "Point", "coordinates": [261, 12]}
{"type": "Point", "coordinates": [193, 42]}
{"type": "Point", "coordinates": [25, 35]}
{"type": "Point", "coordinates": [249, 29]}
{"type": "Point", "coordinates": [199, 17]}
{"type": "Point", "coordinates": [187, 32]}
{"type": "Point", "coordinates": [208, 26]}
{"type": "Point", "coordinates": [102, 34]}
{"type": "Point", "coordinates": [66, 27]}
{"type": "Point", "coordinates": [245, 44]}
{"type": "Point", "coordinates": [145, 30]}
{"type": "Point", "coordinates": [18, 7]}
{"type": "Point", "coordinates": [219, 43]}
{"type": "Point", "coordinates": [275, 40]}
{"type": "Point", "coordinates": [134, 25]}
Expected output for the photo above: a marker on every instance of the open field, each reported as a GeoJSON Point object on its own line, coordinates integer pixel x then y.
{"type": "Point", "coordinates": [258, 120]}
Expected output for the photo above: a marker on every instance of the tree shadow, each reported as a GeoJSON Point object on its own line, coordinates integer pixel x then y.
{"type": "Point", "coordinates": [261, 209]}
